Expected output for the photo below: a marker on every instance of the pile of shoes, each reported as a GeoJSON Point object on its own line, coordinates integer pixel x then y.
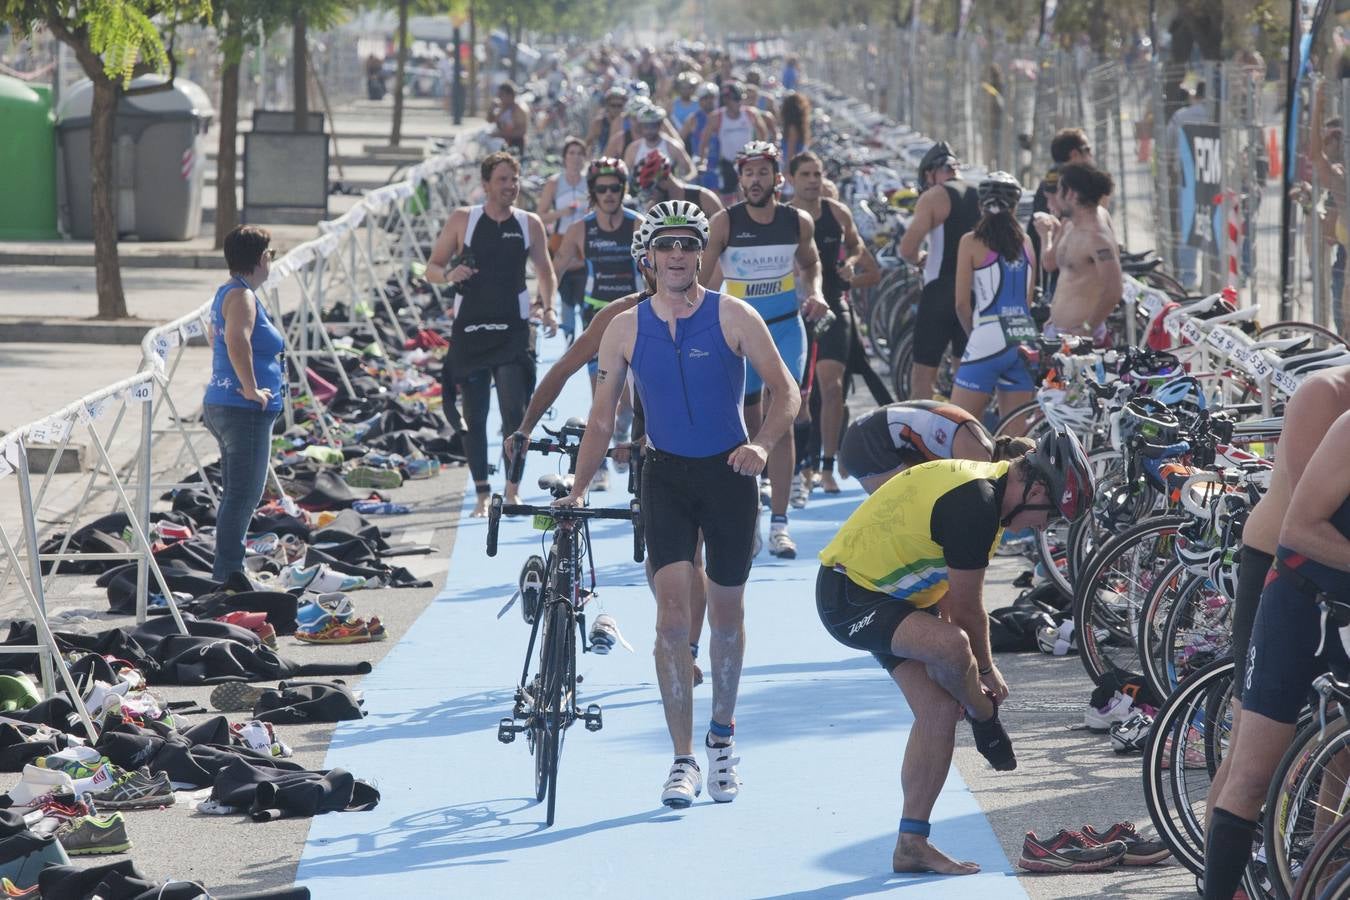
{"type": "Point", "coordinates": [1090, 850]}
{"type": "Point", "coordinates": [331, 619]}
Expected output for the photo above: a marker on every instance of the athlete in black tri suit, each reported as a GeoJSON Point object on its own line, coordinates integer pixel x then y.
{"type": "Point", "coordinates": [1296, 637]}
{"type": "Point", "coordinates": [947, 209]}
{"type": "Point", "coordinates": [842, 255]}
{"type": "Point", "coordinates": [490, 339]}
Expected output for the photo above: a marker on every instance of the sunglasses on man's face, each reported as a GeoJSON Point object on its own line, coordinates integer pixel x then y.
{"type": "Point", "coordinates": [666, 243]}
{"type": "Point", "coordinates": [608, 189]}
{"type": "Point", "coordinates": [270, 253]}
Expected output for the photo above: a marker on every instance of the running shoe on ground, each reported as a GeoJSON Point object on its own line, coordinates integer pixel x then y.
{"type": "Point", "coordinates": [417, 469]}
{"type": "Point", "coordinates": [1119, 708]}
{"type": "Point", "coordinates": [781, 544]}
{"type": "Point", "coordinates": [260, 737]}
{"type": "Point", "coordinates": [1130, 735]}
{"type": "Point", "coordinates": [1139, 851]}
{"type": "Point", "coordinates": [724, 785]}
{"type": "Point", "coordinates": [800, 492]}
{"type": "Point", "coordinates": [992, 740]}
{"type": "Point", "coordinates": [353, 631]}
{"type": "Point", "coordinates": [255, 622]}
{"type": "Point", "coordinates": [373, 477]}
{"type": "Point", "coordinates": [1068, 851]}
{"type": "Point", "coordinates": [54, 814]}
{"type": "Point", "coordinates": [317, 579]}
{"type": "Point", "coordinates": [75, 768]}
{"type": "Point", "coordinates": [138, 790]}
{"type": "Point", "coordinates": [683, 784]}
{"type": "Point", "coordinates": [95, 836]}
{"type": "Point", "coordinates": [235, 696]}
{"type": "Point", "coordinates": [36, 785]}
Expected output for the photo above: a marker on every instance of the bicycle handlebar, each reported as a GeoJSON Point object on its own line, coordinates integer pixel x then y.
{"type": "Point", "coordinates": [497, 509]}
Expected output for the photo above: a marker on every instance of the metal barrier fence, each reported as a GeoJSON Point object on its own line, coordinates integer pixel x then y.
{"type": "Point", "coordinates": [356, 256]}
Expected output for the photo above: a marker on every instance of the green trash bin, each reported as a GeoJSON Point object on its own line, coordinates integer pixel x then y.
{"type": "Point", "coordinates": [27, 163]}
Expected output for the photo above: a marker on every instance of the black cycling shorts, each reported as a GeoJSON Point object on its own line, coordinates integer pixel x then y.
{"type": "Point", "coordinates": [1283, 658]}
{"type": "Point", "coordinates": [1253, 567]}
{"type": "Point", "coordinates": [837, 340]}
{"type": "Point", "coordinates": [683, 495]}
{"type": "Point", "coordinates": [937, 326]}
{"type": "Point", "coordinates": [859, 618]}
{"type": "Point", "coordinates": [731, 179]}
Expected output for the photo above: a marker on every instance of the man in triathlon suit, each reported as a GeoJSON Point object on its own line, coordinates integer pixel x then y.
{"type": "Point", "coordinates": [692, 132]}
{"type": "Point", "coordinates": [1320, 400]}
{"type": "Point", "coordinates": [889, 439]}
{"type": "Point", "coordinates": [657, 185]}
{"type": "Point", "coordinates": [511, 117]}
{"type": "Point", "coordinates": [687, 349]}
{"type": "Point", "coordinates": [946, 210]}
{"type": "Point", "coordinates": [651, 140]}
{"type": "Point", "coordinates": [610, 118]}
{"type": "Point", "coordinates": [1295, 638]}
{"type": "Point", "coordinates": [758, 244]}
{"type": "Point", "coordinates": [926, 537]}
{"type": "Point", "coordinates": [734, 125]}
{"type": "Point", "coordinates": [638, 109]}
{"type": "Point", "coordinates": [582, 353]}
{"type": "Point", "coordinates": [602, 244]}
{"type": "Point", "coordinates": [841, 250]}
{"type": "Point", "coordinates": [489, 342]}
{"type": "Point", "coordinates": [1069, 145]}
{"type": "Point", "coordinates": [1084, 250]}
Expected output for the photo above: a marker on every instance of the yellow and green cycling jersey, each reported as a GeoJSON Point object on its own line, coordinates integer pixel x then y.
{"type": "Point", "coordinates": [931, 517]}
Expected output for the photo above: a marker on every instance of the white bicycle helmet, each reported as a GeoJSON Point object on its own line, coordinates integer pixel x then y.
{"type": "Point", "coordinates": [651, 114]}
{"type": "Point", "coordinates": [706, 89]}
{"type": "Point", "coordinates": [671, 215]}
{"type": "Point", "coordinates": [635, 106]}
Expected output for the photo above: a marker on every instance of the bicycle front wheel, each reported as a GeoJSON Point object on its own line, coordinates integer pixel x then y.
{"type": "Point", "coordinates": [554, 702]}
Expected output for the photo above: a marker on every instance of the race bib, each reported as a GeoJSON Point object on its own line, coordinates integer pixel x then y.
{"type": "Point", "coordinates": [1018, 328]}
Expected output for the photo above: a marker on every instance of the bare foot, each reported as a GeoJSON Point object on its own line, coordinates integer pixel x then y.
{"type": "Point", "coordinates": [828, 484]}
{"type": "Point", "coordinates": [480, 508]}
{"type": "Point", "coordinates": [512, 497]}
{"type": "Point", "coordinates": [921, 856]}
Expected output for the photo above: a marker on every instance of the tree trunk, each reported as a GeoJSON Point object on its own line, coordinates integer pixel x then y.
{"type": "Point", "coordinates": [473, 61]}
{"type": "Point", "coordinates": [300, 71]}
{"type": "Point", "coordinates": [397, 132]}
{"type": "Point", "coordinates": [112, 302]}
{"type": "Point", "coordinates": [227, 208]}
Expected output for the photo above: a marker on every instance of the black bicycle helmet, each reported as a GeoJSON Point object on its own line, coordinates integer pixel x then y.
{"type": "Point", "coordinates": [1060, 464]}
{"type": "Point", "coordinates": [999, 192]}
{"type": "Point", "coordinates": [938, 155]}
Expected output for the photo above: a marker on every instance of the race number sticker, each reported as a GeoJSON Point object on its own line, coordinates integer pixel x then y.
{"type": "Point", "coordinates": [192, 329]}
{"type": "Point", "coordinates": [1191, 331]}
{"type": "Point", "coordinates": [143, 393]}
{"type": "Point", "coordinates": [1257, 365]}
{"type": "Point", "coordinates": [1284, 381]}
{"type": "Point", "coordinates": [1152, 302]}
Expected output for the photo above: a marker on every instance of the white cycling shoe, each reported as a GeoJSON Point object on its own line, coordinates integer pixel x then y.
{"type": "Point", "coordinates": [781, 544]}
{"type": "Point", "coordinates": [683, 785]}
{"type": "Point", "coordinates": [724, 785]}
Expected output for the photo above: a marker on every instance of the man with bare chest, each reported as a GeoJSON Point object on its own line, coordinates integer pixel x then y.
{"type": "Point", "coordinates": [1082, 247]}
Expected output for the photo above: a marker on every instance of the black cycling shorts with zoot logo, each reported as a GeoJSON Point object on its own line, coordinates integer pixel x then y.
{"type": "Point", "coordinates": [857, 617]}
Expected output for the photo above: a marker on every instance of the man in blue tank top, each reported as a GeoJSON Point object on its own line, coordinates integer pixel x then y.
{"type": "Point", "coordinates": [687, 348]}
{"type": "Point", "coordinates": [759, 244]}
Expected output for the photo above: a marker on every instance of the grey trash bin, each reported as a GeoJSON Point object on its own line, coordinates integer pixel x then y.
{"type": "Point", "coordinates": [159, 160]}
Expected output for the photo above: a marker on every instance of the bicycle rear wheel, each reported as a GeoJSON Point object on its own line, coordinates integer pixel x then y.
{"type": "Point", "coordinates": [556, 677]}
{"type": "Point", "coordinates": [1328, 866]}
{"type": "Point", "coordinates": [1307, 797]}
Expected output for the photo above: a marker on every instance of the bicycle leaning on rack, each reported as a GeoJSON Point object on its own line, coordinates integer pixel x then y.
{"type": "Point", "coordinates": [554, 603]}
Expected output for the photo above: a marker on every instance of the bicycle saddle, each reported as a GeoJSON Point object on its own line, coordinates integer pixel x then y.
{"type": "Point", "coordinates": [557, 485]}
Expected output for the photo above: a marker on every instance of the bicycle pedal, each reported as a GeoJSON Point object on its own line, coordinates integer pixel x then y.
{"type": "Point", "coordinates": [506, 731]}
{"type": "Point", "coordinates": [593, 718]}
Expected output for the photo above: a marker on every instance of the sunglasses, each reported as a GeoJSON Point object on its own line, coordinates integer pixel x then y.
{"type": "Point", "coordinates": [270, 253]}
{"type": "Point", "coordinates": [607, 189]}
{"type": "Point", "coordinates": [614, 105]}
{"type": "Point", "coordinates": [666, 243]}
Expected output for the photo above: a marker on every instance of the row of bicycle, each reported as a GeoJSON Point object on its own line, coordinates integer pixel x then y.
{"type": "Point", "coordinates": [1181, 423]}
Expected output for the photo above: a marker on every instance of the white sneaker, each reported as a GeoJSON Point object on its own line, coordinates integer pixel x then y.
{"type": "Point", "coordinates": [724, 785]}
{"type": "Point", "coordinates": [684, 783]}
{"type": "Point", "coordinates": [1118, 709]}
{"type": "Point", "coordinates": [35, 784]}
{"type": "Point", "coordinates": [800, 492]}
{"type": "Point", "coordinates": [781, 544]}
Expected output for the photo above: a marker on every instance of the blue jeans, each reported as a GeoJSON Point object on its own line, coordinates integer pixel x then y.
{"type": "Point", "coordinates": [245, 438]}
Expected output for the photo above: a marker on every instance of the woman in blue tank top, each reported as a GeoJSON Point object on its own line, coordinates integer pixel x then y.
{"type": "Point", "coordinates": [243, 395]}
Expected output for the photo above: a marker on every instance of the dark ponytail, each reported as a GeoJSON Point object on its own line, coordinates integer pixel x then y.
{"type": "Point", "coordinates": [1001, 233]}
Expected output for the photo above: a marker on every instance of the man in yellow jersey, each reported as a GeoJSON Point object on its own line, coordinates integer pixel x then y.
{"type": "Point", "coordinates": [926, 536]}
